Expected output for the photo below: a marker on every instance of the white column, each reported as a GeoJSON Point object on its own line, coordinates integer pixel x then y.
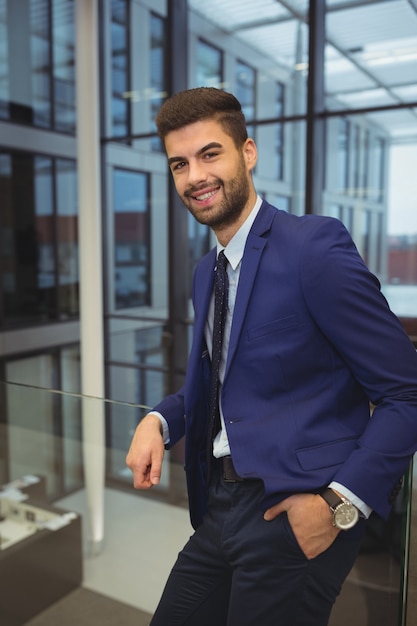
{"type": "Point", "coordinates": [91, 296]}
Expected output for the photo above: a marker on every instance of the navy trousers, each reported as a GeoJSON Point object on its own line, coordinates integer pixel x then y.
{"type": "Point", "coordinates": [239, 570]}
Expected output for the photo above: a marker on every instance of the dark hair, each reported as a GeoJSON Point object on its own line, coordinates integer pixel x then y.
{"type": "Point", "coordinates": [203, 103]}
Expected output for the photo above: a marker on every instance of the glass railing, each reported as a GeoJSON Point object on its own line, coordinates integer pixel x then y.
{"type": "Point", "coordinates": [75, 534]}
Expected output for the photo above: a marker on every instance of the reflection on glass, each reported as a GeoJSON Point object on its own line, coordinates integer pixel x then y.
{"type": "Point", "coordinates": [44, 240]}
{"type": "Point", "coordinates": [245, 91]}
{"type": "Point", "coordinates": [30, 414]}
{"type": "Point", "coordinates": [4, 80]}
{"type": "Point", "coordinates": [158, 72]}
{"type": "Point", "coordinates": [37, 63]}
{"type": "Point", "coordinates": [209, 65]}
{"type": "Point", "coordinates": [283, 188]}
{"type": "Point", "coordinates": [38, 230]}
{"type": "Point", "coordinates": [279, 137]}
{"type": "Point", "coordinates": [343, 155]}
{"type": "Point", "coordinates": [67, 231]}
{"type": "Point", "coordinates": [383, 219]}
{"type": "Point", "coordinates": [120, 68]}
{"type": "Point", "coordinates": [131, 233]}
{"type": "Point", "coordinates": [40, 60]}
{"type": "Point", "coordinates": [63, 65]}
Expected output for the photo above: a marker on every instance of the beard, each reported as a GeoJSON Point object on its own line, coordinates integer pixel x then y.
{"type": "Point", "coordinates": [235, 197]}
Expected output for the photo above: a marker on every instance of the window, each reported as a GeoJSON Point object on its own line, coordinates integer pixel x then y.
{"type": "Point", "coordinates": [38, 230]}
{"type": "Point", "coordinates": [158, 73]}
{"type": "Point", "coordinates": [366, 236]}
{"type": "Point", "coordinates": [131, 239]}
{"type": "Point", "coordinates": [245, 91]}
{"type": "Point", "coordinates": [4, 78]}
{"type": "Point", "coordinates": [63, 62]}
{"type": "Point", "coordinates": [37, 82]}
{"type": "Point", "coordinates": [67, 237]}
{"type": "Point", "coordinates": [279, 139]}
{"type": "Point", "coordinates": [343, 156]}
{"type": "Point", "coordinates": [120, 78]}
{"type": "Point", "coordinates": [209, 65]}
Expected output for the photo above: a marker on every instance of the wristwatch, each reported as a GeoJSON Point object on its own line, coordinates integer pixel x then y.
{"type": "Point", "coordinates": [345, 514]}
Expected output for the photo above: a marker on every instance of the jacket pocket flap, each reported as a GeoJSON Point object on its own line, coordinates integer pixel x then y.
{"type": "Point", "coordinates": [326, 454]}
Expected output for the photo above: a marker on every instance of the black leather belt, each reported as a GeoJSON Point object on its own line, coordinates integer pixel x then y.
{"type": "Point", "coordinates": [229, 473]}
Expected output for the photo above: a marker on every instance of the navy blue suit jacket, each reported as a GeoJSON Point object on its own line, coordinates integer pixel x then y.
{"type": "Point", "coordinates": [313, 342]}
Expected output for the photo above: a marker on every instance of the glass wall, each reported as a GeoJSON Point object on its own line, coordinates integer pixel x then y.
{"type": "Point", "coordinates": [38, 227]}
{"type": "Point", "coordinates": [370, 75]}
{"type": "Point", "coordinates": [37, 63]}
{"type": "Point", "coordinates": [120, 75]}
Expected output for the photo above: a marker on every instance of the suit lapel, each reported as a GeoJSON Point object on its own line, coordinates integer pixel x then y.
{"type": "Point", "coordinates": [254, 248]}
{"type": "Point", "coordinates": [203, 290]}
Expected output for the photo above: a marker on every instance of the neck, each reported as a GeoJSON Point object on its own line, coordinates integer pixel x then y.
{"type": "Point", "coordinates": [225, 233]}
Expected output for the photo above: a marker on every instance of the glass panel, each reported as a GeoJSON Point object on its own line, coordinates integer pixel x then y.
{"type": "Point", "coordinates": [131, 232]}
{"type": "Point", "coordinates": [37, 63]}
{"type": "Point", "coordinates": [39, 255]}
{"type": "Point", "coordinates": [144, 345]}
{"type": "Point", "coordinates": [374, 584]}
{"type": "Point", "coordinates": [44, 239]}
{"type": "Point", "coordinates": [89, 527]}
{"type": "Point", "coordinates": [31, 443]}
{"type": "Point", "coordinates": [275, 40]}
{"type": "Point", "coordinates": [245, 92]}
{"type": "Point", "coordinates": [63, 65]}
{"type": "Point", "coordinates": [120, 68]}
{"type": "Point", "coordinates": [410, 608]}
{"type": "Point", "coordinates": [279, 137]}
{"type": "Point", "coordinates": [72, 462]}
{"type": "Point", "coordinates": [158, 72]}
{"type": "Point", "coordinates": [372, 56]}
{"type": "Point", "coordinates": [26, 226]}
{"type": "Point", "coordinates": [285, 191]}
{"type": "Point", "coordinates": [4, 79]}
{"type": "Point", "coordinates": [384, 218]}
{"type": "Point", "coordinates": [67, 231]}
{"type": "Point", "coordinates": [41, 57]}
{"type": "Point", "coordinates": [209, 65]}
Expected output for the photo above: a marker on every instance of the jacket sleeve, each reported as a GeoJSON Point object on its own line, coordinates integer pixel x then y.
{"type": "Point", "coordinates": [345, 300]}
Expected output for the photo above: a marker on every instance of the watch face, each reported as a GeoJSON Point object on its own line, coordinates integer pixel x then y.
{"type": "Point", "coordinates": [346, 515]}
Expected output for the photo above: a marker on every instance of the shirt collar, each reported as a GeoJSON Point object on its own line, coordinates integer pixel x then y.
{"type": "Point", "coordinates": [236, 246]}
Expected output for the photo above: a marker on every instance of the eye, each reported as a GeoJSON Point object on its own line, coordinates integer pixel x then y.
{"type": "Point", "coordinates": [178, 166]}
{"type": "Point", "coordinates": [210, 155]}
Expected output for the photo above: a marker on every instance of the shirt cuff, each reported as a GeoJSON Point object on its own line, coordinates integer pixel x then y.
{"type": "Point", "coordinates": [165, 427]}
{"type": "Point", "coordinates": [346, 493]}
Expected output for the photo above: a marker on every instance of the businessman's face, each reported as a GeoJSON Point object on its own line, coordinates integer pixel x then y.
{"type": "Point", "coordinates": [212, 176]}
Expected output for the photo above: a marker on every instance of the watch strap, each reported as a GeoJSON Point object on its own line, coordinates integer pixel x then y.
{"type": "Point", "coordinates": [331, 497]}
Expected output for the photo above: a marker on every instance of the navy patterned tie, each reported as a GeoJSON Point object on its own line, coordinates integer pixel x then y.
{"type": "Point", "coordinates": [221, 285]}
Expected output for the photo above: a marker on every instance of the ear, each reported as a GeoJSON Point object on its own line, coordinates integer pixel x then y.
{"type": "Point", "coordinates": [250, 153]}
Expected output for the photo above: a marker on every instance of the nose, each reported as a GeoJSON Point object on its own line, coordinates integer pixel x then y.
{"type": "Point", "coordinates": [197, 174]}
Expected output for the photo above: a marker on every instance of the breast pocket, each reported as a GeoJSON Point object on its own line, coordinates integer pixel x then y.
{"type": "Point", "coordinates": [270, 328]}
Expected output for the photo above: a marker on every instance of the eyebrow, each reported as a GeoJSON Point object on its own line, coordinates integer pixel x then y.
{"type": "Point", "coordinates": [209, 146]}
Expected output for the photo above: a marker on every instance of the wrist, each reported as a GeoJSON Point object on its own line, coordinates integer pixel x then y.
{"type": "Point", "coordinates": [152, 420]}
{"type": "Point", "coordinates": [345, 515]}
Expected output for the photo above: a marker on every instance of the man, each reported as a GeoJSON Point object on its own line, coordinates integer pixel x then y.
{"type": "Point", "coordinates": [279, 502]}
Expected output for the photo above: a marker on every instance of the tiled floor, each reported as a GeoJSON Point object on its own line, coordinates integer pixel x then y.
{"type": "Point", "coordinates": [142, 539]}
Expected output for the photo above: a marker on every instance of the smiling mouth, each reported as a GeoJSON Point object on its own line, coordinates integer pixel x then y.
{"type": "Point", "coordinates": [205, 196]}
{"type": "Point", "coordinates": [202, 196]}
